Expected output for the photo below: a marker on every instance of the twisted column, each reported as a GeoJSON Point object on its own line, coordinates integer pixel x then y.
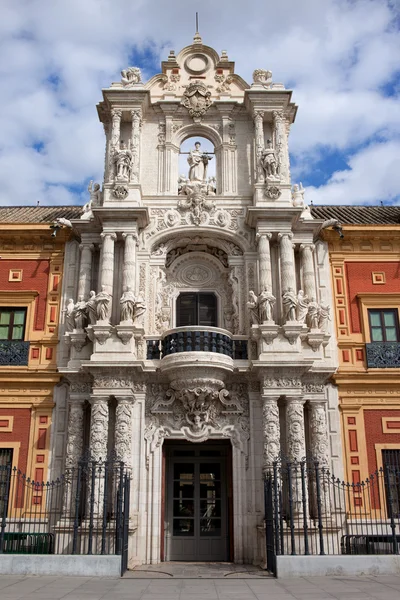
{"type": "Point", "coordinates": [129, 268]}
{"type": "Point", "coordinates": [265, 262]}
{"type": "Point", "coordinates": [271, 430]}
{"type": "Point", "coordinates": [85, 269]}
{"type": "Point", "coordinates": [307, 264]}
{"type": "Point", "coordinates": [123, 429]}
{"type": "Point", "coordinates": [258, 116]}
{"type": "Point", "coordinates": [288, 274]}
{"type": "Point", "coordinates": [107, 263]}
{"type": "Point", "coordinates": [136, 115]}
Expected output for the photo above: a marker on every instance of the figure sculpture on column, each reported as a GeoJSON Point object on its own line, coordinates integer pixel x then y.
{"type": "Point", "coordinates": [289, 301]}
{"type": "Point", "coordinates": [269, 162]}
{"type": "Point", "coordinates": [266, 303]}
{"type": "Point", "coordinates": [302, 306]}
{"type": "Point", "coordinates": [127, 303]}
{"type": "Point", "coordinates": [79, 314]}
{"type": "Point", "coordinates": [198, 163]}
{"type": "Point", "coordinates": [324, 317]}
{"type": "Point", "coordinates": [103, 305]}
{"type": "Point", "coordinates": [91, 308]}
{"type": "Point", "coordinates": [123, 162]}
{"type": "Point", "coordinates": [313, 314]}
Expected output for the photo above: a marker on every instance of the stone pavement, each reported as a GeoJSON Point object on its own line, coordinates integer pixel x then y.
{"type": "Point", "coordinates": [169, 587]}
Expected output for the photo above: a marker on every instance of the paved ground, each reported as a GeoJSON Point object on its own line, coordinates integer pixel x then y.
{"type": "Point", "coordinates": [249, 587]}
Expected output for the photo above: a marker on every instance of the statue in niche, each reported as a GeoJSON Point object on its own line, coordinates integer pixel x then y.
{"type": "Point", "coordinates": [265, 303]}
{"type": "Point", "coordinates": [69, 315]}
{"type": "Point", "coordinates": [289, 301]}
{"type": "Point", "coordinates": [91, 308]}
{"type": "Point", "coordinates": [269, 162]}
{"type": "Point", "coordinates": [127, 303]}
{"type": "Point", "coordinates": [198, 164]}
{"type": "Point", "coordinates": [313, 314]}
{"type": "Point", "coordinates": [103, 305]}
{"type": "Point", "coordinates": [123, 162]}
{"type": "Point", "coordinates": [302, 306]}
{"type": "Point", "coordinates": [252, 305]}
{"type": "Point", "coordinates": [140, 308]}
{"type": "Point", "coordinates": [324, 316]}
{"type": "Point", "coordinates": [79, 314]}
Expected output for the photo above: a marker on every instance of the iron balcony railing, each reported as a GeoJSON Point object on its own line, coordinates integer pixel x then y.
{"type": "Point", "coordinates": [383, 355]}
{"type": "Point", "coordinates": [197, 339]}
{"type": "Point", "coordinates": [14, 353]}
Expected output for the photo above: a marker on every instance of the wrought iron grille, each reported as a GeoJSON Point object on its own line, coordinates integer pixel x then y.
{"type": "Point", "coordinates": [383, 355]}
{"type": "Point", "coordinates": [14, 353]}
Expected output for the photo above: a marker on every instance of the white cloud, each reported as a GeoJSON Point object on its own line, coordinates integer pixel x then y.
{"type": "Point", "coordinates": [337, 52]}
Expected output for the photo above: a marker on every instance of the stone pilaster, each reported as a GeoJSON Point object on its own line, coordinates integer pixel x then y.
{"type": "Point", "coordinates": [296, 450]}
{"type": "Point", "coordinates": [271, 430]}
{"type": "Point", "coordinates": [107, 133]}
{"type": "Point", "coordinates": [129, 268]}
{"type": "Point", "coordinates": [107, 264]}
{"type": "Point", "coordinates": [288, 274]}
{"type": "Point", "coordinates": [85, 269]}
{"type": "Point", "coordinates": [74, 448]}
{"type": "Point", "coordinates": [264, 254]}
{"type": "Point", "coordinates": [136, 115]}
{"type": "Point", "coordinates": [99, 428]}
{"type": "Point", "coordinates": [123, 429]}
{"type": "Point", "coordinates": [307, 265]}
{"type": "Point", "coordinates": [116, 115]}
{"type": "Point", "coordinates": [281, 144]}
{"type": "Point", "coordinates": [258, 116]}
{"type": "Point", "coordinates": [319, 439]}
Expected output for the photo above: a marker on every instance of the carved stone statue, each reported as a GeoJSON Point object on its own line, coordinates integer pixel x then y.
{"type": "Point", "coordinates": [252, 305]}
{"type": "Point", "coordinates": [140, 308]}
{"type": "Point", "coordinates": [262, 77]}
{"type": "Point", "coordinates": [69, 315]}
{"type": "Point", "coordinates": [123, 162]}
{"type": "Point", "coordinates": [103, 305]}
{"type": "Point", "coordinates": [79, 313]}
{"type": "Point", "coordinates": [211, 186]}
{"type": "Point", "coordinates": [182, 183]}
{"type": "Point", "coordinates": [289, 301]}
{"type": "Point", "coordinates": [313, 314]}
{"type": "Point", "coordinates": [127, 303]}
{"type": "Point", "coordinates": [302, 306]}
{"type": "Point", "coordinates": [266, 303]}
{"type": "Point", "coordinates": [269, 162]}
{"type": "Point", "coordinates": [95, 194]}
{"type": "Point", "coordinates": [130, 76]}
{"type": "Point", "coordinates": [91, 308]}
{"type": "Point", "coordinates": [197, 99]}
{"type": "Point", "coordinates": [298, 195]}
{"type": "Point", "coordinates": [324, 316]}
{"type": "Point", "coordinates": [198, 163]}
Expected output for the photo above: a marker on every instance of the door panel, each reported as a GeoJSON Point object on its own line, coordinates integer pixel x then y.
{"type": "Point", "coordinates": [196, 513]}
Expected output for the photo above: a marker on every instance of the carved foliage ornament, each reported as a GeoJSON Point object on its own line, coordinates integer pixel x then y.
{"type": "Point", "coordinates": [197, 99]}
{"type": "Point", "coordinates": [272, 192]}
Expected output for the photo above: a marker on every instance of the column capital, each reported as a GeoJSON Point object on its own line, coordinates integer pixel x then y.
{"type": "Point", "coordinates": [110, 234]}
{"type": "Point", "coordinates": [131, 234]}
{"type": "Point", "coordinates": [136, 113]}
{"type": "Point", "coordinates": [95, 399]}
{"type": "Point", "coordinates": [307, 246]}
{"type": "Point", "coordinates": [88, 245]}
{"type": "Point", "coordinates": [259, 236]}
{"type": "Point", "coordinates": [76, 400]}
{"type": "Point", "coordinates": [258, 114]}
{"type": "Point", "coordinates": [291, 400]}
{"type": "Point", "coordinates": [125, 398]}
{"type": "Point", "coordinates": [116, 113]}
{"type": "Point", "coordinates": [266, 398]}
{"type": "Point", "coordinates": [288, 234]}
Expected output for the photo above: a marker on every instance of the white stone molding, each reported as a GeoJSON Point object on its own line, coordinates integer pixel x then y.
{"type": "Point", "coordinates": [136, 115]}
{"type": "Point", "coordinates": [258, 117]}
{"type": "Point", "coordinates": [129, 268]}
{"type": "Point", "coordinates": [265, 261]}
{"type": "Point", "coordinates": [107, 263]}
{"type": "Point", "coordinates": [281, 144]}
{"type": "Point", "coordinates": [85, 269]}
{"type": "Point", "coordinates": [123, 428]}
{"type": "Point", "coordinates": [308, 271]}
{"type": "Point", "coordinates": [271, 431]}
{"type": "Point", "coordinates": [288, 275]}
{"type": "Point", "coordinates": [99, 428]}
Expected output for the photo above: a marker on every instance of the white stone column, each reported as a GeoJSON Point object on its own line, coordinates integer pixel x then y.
{"type": "Point", "coordinates": [281, 144]}
{"type": "Point", "coordinates": [136, 115]}
{"type": "Point", "coordinates": [258, 116]}
{"type": "Point", "coordinates": [74, 451]}
{"type": "Point", "coordinates": [123, 429]}
{"type": "Point", "coordinates": [107, 263]}
{"type": "Point", "coordinates": [307, 266]}
{"type": "Point", "coordinates": [98, 446]}
{"type": "Point", "coordinates": [264, 254]}
{"type": "Point", "coordinates": [319, 440]}
{"type": "Point", "coordinates": [129, 268]}
{"type": "Point", "coordinates": [85, 269]}
{"type": "Point", "coordinates": [288, 274]}
{"type": "Point", "coordinates": [296, 449]}
{"type": "Point", "coordinates": [271, 430]}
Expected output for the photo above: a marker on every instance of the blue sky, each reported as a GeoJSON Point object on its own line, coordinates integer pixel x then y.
{"type": "Point", "coordinates": [340, 57]}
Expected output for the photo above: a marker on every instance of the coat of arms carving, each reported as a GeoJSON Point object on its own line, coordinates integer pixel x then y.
{"type": "Point", "coordinates": [197, 99]}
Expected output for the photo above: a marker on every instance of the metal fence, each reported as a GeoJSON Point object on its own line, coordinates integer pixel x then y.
{"type": "Point", "coordinates": [85, 511]}
{"type": "Point", "coordinates": [309, 511]}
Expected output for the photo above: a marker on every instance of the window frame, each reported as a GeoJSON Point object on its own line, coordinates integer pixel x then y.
{"type": "Point", "coordinates": [373, 300]}
{"type": "Point", "coordinates": [12, 310]}
{"type": "Point", "coordinates": [381, 312]}
{"type": "Point", "coordinates": [197, 295]}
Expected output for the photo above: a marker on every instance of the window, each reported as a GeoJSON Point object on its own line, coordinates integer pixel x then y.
{"type": "Point", "coordinates": [12, 323]}
{"type": "Point", "coordinates": [196, 309]}
{"type": "Point", "coordinates": [391, 467]}
{"type": "Point", "coordinates": [384, 325]}
{"type": "Point", "coordinates": [6, 455]}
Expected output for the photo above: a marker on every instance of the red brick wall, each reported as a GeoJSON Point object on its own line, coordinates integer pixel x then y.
{"type": "Point", "coordinates": [359, 280]}
{"type": "Point", "coordinates": [34, 278]}
{"type": "Point", "coordinates": [20, 432]}
{"type": "Point", "coordinates": [374, 434]}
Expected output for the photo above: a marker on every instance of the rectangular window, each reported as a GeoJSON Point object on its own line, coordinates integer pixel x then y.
{"type": "Point", "coordinates": [384, 325]}
{"type": "Point", "coordinates": [6, 455]}
{"type": "Point", "coordinates": [391, 466]}
{"type": "Point", "coordinates": [196, 309]}
{"type": "Point", "coordinates": [12, 323]}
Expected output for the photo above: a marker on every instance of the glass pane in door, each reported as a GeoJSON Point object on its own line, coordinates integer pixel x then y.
{"type": "Point", "coordinates": [183, 499]}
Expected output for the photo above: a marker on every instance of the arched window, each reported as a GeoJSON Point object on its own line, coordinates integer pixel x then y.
{"type": "Point", "coordinates": [192, 165]}
{"type": "Point", "coordinates": [196, 308]}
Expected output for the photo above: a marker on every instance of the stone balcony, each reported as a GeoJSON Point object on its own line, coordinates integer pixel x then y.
{"type": "Point", "coordinates": [14, 353]}
{"type": "Point", "coordinates": [383, 355]}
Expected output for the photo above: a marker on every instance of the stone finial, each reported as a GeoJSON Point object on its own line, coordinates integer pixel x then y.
{"type": "Point", "coordinates": [262, 77]}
